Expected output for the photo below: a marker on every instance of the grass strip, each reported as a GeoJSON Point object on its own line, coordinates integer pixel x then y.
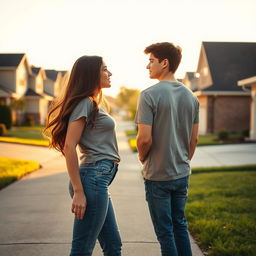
{"type": "Point", "coordinates": [221, 211]}
{"type": "Point", "coordinates": [239, 168]}
{"type": "Point", "coordinates": [204, 140]}
{"type": "Point", "coordinates": [13, 169]}
{"type": "Point", "coordinates": [34, 142]}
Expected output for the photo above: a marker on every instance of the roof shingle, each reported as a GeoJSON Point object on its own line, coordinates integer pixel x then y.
{"type": "Point", "coordinates": [10, 59]}
{"type": "Point", "coordinates": [230, 62]}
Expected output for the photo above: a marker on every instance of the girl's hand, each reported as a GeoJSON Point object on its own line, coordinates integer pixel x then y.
{"type": "Point", "coordinates": [79, 204]}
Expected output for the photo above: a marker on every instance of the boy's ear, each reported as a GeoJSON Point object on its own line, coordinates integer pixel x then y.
{"type": "Point", "coordinates": [165, 63]}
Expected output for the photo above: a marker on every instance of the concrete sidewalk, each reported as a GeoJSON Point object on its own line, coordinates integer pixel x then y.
{"type": "Point", "coordinates": [35, 216]}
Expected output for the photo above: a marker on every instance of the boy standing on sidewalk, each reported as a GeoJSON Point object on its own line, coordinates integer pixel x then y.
{"type": "Point", "coordinates": [167, 118]}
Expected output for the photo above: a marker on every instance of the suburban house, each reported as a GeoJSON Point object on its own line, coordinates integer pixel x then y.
{"type": "Point", "coordinates": [14, 76]}
{"type": "Point", "coordinates": [36, 100]}
{"type": "Point", "coordinates": [52, 84]}
{"type": "Point", "coordinates": [190, 80]}
{"type": "Point", "coordinates": [251, 83]}
{"type": "Point", "coordinates": [28, 89]}
{"type": "Point", "coordinates": [224, 105]}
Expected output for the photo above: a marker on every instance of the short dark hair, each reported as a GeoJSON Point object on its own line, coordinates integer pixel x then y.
{"type": "Point", "coordinates": [167, 51]}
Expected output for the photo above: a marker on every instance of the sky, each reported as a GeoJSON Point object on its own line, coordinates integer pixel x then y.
{"type": "Point", "coordinates": [54, 33]}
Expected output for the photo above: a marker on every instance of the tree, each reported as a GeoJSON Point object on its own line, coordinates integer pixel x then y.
{"type": "Point", "coordinates": [127, 100]}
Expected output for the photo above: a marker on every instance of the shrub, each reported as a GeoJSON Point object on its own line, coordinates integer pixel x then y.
{"type": "Point", "coordinates": [223, 135]}
{"type": "Point", "coordinates": [246, 133]}
{"type": "Point", "coordinates": [6, 116]}
{"type": "Point", "coordinates": [29, 121]}
{"type": "Point", "coordinates": [2, 129]}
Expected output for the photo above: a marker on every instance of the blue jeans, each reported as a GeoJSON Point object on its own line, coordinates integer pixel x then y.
{"type": "Point", "coordinates": [99, 221]}
{"type": "Point", "coordinates": [166, 202]}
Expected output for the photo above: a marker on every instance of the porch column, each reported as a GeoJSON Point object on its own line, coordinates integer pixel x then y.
{"type": "Point", "coordinates": [253, 115]}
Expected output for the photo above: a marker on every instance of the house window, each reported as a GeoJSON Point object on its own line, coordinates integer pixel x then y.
{"type": "Point", "coordinates": [22, 82]}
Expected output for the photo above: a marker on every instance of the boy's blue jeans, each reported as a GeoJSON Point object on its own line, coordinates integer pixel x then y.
{"type": "Point", "coordinates": [99, 220]}
{"type": "Point", "coordinates": [166, 202]}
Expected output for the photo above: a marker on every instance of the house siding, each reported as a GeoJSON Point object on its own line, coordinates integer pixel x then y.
{"type": "Point", "coordinates": [253, 115]}
{"type": "Point", "coordinates": [7, 79]}
{"type": "Point", "coordinates": [49, 86]}
{"type": "Point", "coordinates": [39, 84]}
{"type": "Point", "coordinates": [22, 79]}
{"type": "Point", "coordinates": [43, 110]}
{"type": "Point", "coordinates": [205, 79]}
{"type": "Point", "coordinates": [203, 115]}
{"type": "Point", "coordinates": [32, 106]}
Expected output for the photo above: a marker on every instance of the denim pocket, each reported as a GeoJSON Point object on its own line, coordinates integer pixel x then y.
{"type": "Point", "coordinates": [160, 190]}
{"type": "Point", "coordinates": [105, 167]}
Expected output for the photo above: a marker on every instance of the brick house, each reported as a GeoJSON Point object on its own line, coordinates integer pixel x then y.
{"type": "Point", "coordinates": [224, 105]}
{"type": "Point", "coordinates": [251, 83]}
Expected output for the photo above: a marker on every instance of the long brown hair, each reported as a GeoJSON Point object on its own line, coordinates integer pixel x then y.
{"type": "Point", "coordinates": [83, 82]}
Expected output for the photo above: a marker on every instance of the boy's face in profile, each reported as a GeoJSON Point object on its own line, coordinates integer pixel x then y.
{"type": "Point", "coordinates": [155, 68]}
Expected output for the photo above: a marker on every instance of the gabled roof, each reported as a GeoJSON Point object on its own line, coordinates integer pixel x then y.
{"type": "Point", "coordinates": [48, 93]}
{"type": "Point", "coordinates": [63, 72]}
{"type": "Point", "coordinates": [31, 92]}
{"type": "Point", "coordinates": [10, 59]}
{"type": "Point", "coordinates": [7, 90]}
{"type": "Point", "coordinates": [35, 70]}
{"type": "Point", "coordinates": [191, 75]}
{"type": "Point", "coordinates": [228, 63]}
{"type": "Point", "coordinates": [51, 74]}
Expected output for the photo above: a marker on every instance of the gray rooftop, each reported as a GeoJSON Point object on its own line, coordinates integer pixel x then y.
{"type": "Point", "coordinates": [51, 74]}
{"type": "Point", "coordinates": [230, 62]}
{"type": "Point", "coordinates": [10, 59]}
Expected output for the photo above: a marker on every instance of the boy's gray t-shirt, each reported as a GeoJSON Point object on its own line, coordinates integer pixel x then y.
{"type": "Point", "coordinates": [171, 109]}
{"type": "Point", "coordinates": [99, 142]}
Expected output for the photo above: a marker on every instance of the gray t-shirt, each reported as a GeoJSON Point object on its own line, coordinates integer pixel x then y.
{"type": "Point", "coordinates": [171, 109]}
{"type": "Point", "coordinates": [99, 142]}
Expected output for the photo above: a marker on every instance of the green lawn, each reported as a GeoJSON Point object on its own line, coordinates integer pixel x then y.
{"type": "Point", "coordinates": [25, 135]}
{"type": "Point", "coordinates": [204, 140]}
{"type": "Point", "coordinates": [221, 210]}
{"type": "Point", "coordinates": [26, 132]}
{"type": "Point", "coordinates": [13, 169]}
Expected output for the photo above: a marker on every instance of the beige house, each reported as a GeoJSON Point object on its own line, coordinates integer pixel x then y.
{"type": "Point", "coordinates": [35, 87]}
{"type": "Point", "coordinates": [52, 84]}
{"type": "Point", "coordinates": [14, 79]}
{"type": "Point", "coordinates": [14, 76]}
{"type": "Point", "coordinates": [251, 82]}
{"type": "Point", "coordinates": [190, 80]}
{"type": "Point", "coordinates": [224, 105]}
{"type": "Point", "coordinates": [37, 101]}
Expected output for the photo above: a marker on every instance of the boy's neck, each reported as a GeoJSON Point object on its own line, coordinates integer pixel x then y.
{"type": "Point", "coordinates": [169, 77]}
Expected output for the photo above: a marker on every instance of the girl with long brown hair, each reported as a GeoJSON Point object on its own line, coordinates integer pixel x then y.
{"type": "Point", "coordinates": [78, 119]}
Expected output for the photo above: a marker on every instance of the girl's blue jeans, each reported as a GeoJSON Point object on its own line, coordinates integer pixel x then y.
{"type": "Point", "coordinates": [99, 221]}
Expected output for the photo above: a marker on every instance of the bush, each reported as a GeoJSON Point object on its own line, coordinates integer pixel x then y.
{"type": "Point", "coordinates": [223, 135]}
{"type": "Point", "coordinates": [246, 133]}
{"type": "Point", "coordinates": [2, 129]}
{"type": "Point", "coordinates": [29, 121]}
{"type": "Point", "coordinates": [6, 116]}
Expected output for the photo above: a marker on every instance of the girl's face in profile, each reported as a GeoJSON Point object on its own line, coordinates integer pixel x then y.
{"type": "Point", "coordinates": [105, 76]}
